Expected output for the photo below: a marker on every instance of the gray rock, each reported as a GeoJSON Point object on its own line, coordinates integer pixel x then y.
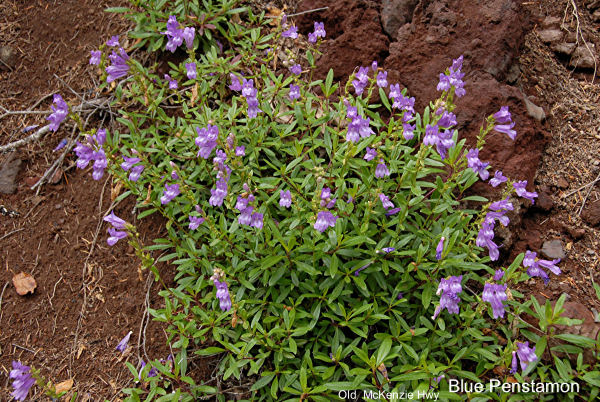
{"type": "Point", "coordinates": [395, 13]}
{"type": "Point", "coordinates": [551, 22]}
{"type": "Point", "coordinates": [563, 48]}
{"type": "Point", "coordinates": [550, 35]}
{"type": "Point", "coordinates": [553, 249]}
{"type": "Point", "coordinates": [583, 57]}
{"type": "Point", "coordinates": [533, 110]}
{"type": "Point", "coordinates": [8, 173]}
{"type": "Point", "coordinates": [8, 58]}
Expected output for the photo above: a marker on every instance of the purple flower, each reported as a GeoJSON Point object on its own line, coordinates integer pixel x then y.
{"type": "Point", "coordinates": [195, 221]}
{"type": "Point", "coordinates": [115, 236]}
{"type": "Point", "coordinates": [115, 221]}
{"type": "Point", "coordinates": [499, 274]}
{"type": "Point", "coordinates": [522, 191]}
{"type": "Point", "coordinates": [478, 166]}
{"type": "Point", "coordinates": [438, 378]}
{"type": "Point", "coordinates": [245, 218]}
{"type": "Point", "coordinates": [129, 162]}
{"type": "Point", "coordinates": [404, 103]}
{"type": "Point", "coordinates": [408, 131]}
{"type": "Point", "coordinates": [370, 154]}
{"type": "Point", "coordinates": [497, 179]}
{"type": "Point", "coordinates": [449, 288]}
{"type": "Point", "coordinates": [374, 65]}
{"type": "Point", "coordinates": [485, 237]}
{"type": "Point", "coordinates": [381, 170]}
{"type": "Point", "coordinates": [387, 204]}
{"type": "Point", "coordinates": [453, 78]}
{"type": "Point", "coordinates": [535, 266]}
{"type": "Point", "coordinates": [312, 37]}
{"type": "Point", "coordinates": [113, 41]}
{"type": "Point", "coordinates": [240, 151]}
{"type": "Point", "coordinates": [223, 295]}
{"type": "Point", "coordinates": [170, 192]}
{"type": "Point", "coordinates": [447, 120]}
{"type": "Point", "coordinates": [285, 198]}
{"type": "Point", "coordinates": [100, 164]}
{"type": "Point", "coordinates": [395, 91]}
{"type": "Point", "coordinates": [136, 172]}
{"type": "Point", "coordinates": [440, 249]}
{"type": "Point", "coordinates": [188, 35]}
{"type": "Point", "coordinates": [191, 71]}
{"type": "Point", "coordinates": [123, 344]}
{"type": "Point", "coordinates": [393, 211]}
{"type": "Point", "coordinates": [249, 92]}
{"type": "Point", "coordinates": [206, 140]}
{"type": "Point", "coordinates": [218, 193]}
{"type": "Point", "coordinates": [325, 193]}
{"type": "Point", "coordinates": [506, 129]}
{"type": "Point", "coordinates": [503, 116]}
{"type": "Point", "coordinates": [292, 32]}
{"type": "Point", "coordinates": [325, 219]}
{"type": "Point", "coordinates": [388, 250]}
{"type": "Point", "coordinates": [61, 145]}
{"type": "Point", "coordinates": [294, 91]}
{"type": "Point", "coordinates": [95, 57]}
{"type": "Point", "coordinates": [526, 354]}
{"type": "Point", "coordinates": [174, 34]}
{"type": "Point", "coordinates": [357, 272]}
{"type": "Point", "coordinates": [23, 381]}
{"type": "Point", "coordinates": [236, 85]}
{"type": "Point", "coordinates": [495, 295]}
{"type": "Point", "coordinates": [382, 79]}
{"type": "Point", "coordinates": [296, 69]}
{"type": "Point", "coordinates": [172, 82]}
{"type": "Point", "coordinates": [319, 30]}
{"type": "Point", "coordinates": [60, 110]}
{"type": "Point", "coordinates": [257, 220]}
{"type": "Point", "coordinates": [119, 67]}
{"type": "Point", "coordinates": [513, 365]}
{"type": "Point", "coordinates": [502, 205]}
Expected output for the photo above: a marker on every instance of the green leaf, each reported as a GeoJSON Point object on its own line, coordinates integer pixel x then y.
{"type": "Point", "coordinates": [262, 382]}
{"type": "Point", "coordinates": [384, 350]}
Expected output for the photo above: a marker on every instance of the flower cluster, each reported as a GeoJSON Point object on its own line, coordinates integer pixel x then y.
{"type": "Point", "coordinates": [358, 127]}
{"type": "Point", "coordinates": [206, 140]}
{"type": "Point", "coordinates": [23, 381]}
{"type": "Point", "coordinates": [526, 356]}
{"type": "Point", "coordinates": [534, 266]}
{"type": "Point", "coordinates": [485, 236]}
{"type": "Point", "coordinates": [449, 289]}
{"type": "Point", "coordinates": [326, 219]}
{"type": "Point", "coordinates": [60, 110]}
{"type": "Point", "coordinates": [248, 92]}
{"type": "Point", "coordinates": [319, 32]}
{"type": "Point", "coordinates": [92, 151]}
{"type": "Point", "coordinates": [453, 78]}
{"type": "Point", "coordinates": [361, 81]}
{"type": "Point", "coordinates": [222, 289]}
{"type": "Point", "coordinates": [442, 139]}
{"type": "Point", "coordinates": [134, 165]}
{"type": "Point", "coordinates": [117, 231]}
{"type": "Point", "coordinates": [119, 67]}
{"type": "Point", "coordinates": [172, 82]}
{"type": "Point", "coordinates": [247, 215]}
{"type": "Point", "coordinates": [176, 35]}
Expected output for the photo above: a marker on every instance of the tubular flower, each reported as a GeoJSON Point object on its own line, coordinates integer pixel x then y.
{"type": "Point", "coordinates": [382, 79]}
{"type": "Point", "coordinates": [60, 110]}
{"type": "Point", "coordinates": [325, 219]}
{"type": "Point", "coordinates": [95, 57]}
{"type": "Point", "coordinates": [292, 33]}
{"type": "Point", "coordinates": [506, 124]}
{"type": "Point", "coordinates": [478, 166]}
{"type": "Point", "coordinates": [440, 249]}
{"type": "Point", "coordinates": [123, 344]}
{"type": "Point", "coordinates": [370, 154]}
{"type": "Point", "coordinates": [453, 78]}
{"type": "Point", "coordinates": [495, 295]}
{"type": "Point", "coordinates": [218, 193]}
{"type": "Point", "coordinates": [23, 381]}
{"type": "Point", "coordinates": [497, 179]}
{"type": "Point", "coordinates": [285, 198]}
{"type": "Point", "coordinates": [535, 266]}
{"type": "Point", "coordinates": [206, 140]}
{"type": "Point", "coordinates": [381, 170]}
{"type": "Point", "coordinates": [449, 289]}
{"type": "Point", "coordinates": [223, 295]}
{"type": "Point", "coordinates": [191, 71]}
{"type": "Point", "coordinates": [526, 354]}
{"type": "Point", "coordinates": [294, 92]}
{"type": "Point", "coordinates": [522, 191]}
{"type": "Point", "coordinates": [296, 69]}
{"type": "Point", "coordinates": [385, 201]}
{"type": "Point", "coordinates": [170, 192]}
{"type": "Point", "coordinates": [119, 67]}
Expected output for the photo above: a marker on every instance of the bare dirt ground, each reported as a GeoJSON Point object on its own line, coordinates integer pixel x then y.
{"type": "Point", "coordinates": [89, 295]}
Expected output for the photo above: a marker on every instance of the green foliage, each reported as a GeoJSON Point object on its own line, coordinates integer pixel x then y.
{"type": "Point", "coordinates": [313, 313]}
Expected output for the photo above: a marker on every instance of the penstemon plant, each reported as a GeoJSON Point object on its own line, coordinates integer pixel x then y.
{"type": "Point", "coordinates": [323, 234]}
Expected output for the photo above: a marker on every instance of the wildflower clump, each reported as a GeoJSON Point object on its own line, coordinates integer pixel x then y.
{"type": "Point", "coordinates": [319, 242]}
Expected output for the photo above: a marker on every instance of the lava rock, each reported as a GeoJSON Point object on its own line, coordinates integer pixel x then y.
{"type": "Point", "coordinates": [591, 213]}
{"type": "Point", "coordinates": [553, 249]}
{"type": "Point", "coordinates": [562, 183]}
{"type": "Point", "coordinates": [544, 201]}
{"type": "Point", "coordinates": [8, 174]}
{"type": "Point", "coordinates": [563, 48]}
{"type": "Point", "coordinates": [8, 58]}
{"type": "Point", "coordinates": [550, 35]}
{"type": "Point", "coordinates": [583, 57]}
{"type": "Point", "coordinates": [396, 13]}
